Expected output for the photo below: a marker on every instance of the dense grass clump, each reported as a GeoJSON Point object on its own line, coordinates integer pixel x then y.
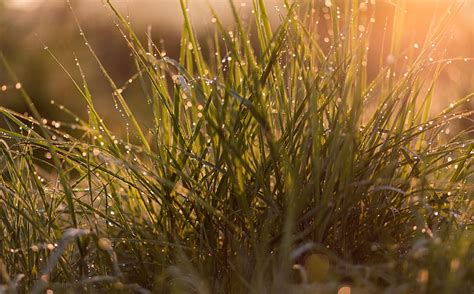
{"type": "Point", "coordinates": [274, 164]}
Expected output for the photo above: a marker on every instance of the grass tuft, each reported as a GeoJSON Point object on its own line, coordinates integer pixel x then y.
{"type": "Point", "coordinates": [274, 164]}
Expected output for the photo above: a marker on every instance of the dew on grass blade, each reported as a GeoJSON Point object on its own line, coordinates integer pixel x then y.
{"type": "Point", "coordinates": [344, 290]}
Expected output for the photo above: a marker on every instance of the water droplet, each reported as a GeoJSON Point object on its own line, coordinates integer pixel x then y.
{"type": "Point", "coordinates": [344, 290]}
{"type": "Point", "coordinates": [390, 59]}
{"type": "Point", "coordinates": [95, 151]}
{"type": "Point", "coordinates": [105, 244]}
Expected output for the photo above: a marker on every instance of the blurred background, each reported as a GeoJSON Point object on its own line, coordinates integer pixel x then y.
{"type": "Point", "coordinates": [27, 26]}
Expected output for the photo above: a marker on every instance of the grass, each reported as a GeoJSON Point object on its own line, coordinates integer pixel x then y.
{"type": "Point", "coordinates": [274, 164]}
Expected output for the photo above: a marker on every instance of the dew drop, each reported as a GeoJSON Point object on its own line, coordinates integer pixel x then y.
{"type": "Point", "coordinates": [95, 151]}
{"type": "Point", "coordinates": [390, 59]}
